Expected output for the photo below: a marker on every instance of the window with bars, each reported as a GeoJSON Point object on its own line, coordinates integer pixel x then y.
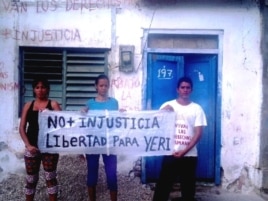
{"type": "Point", "coordinates": [70, 71]}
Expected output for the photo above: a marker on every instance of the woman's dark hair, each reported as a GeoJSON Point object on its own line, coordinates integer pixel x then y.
{"type": "Point", "coordinates": [43, 80]}
{"type": "Point", "coordinates": [102, 76]}
{"type": "Point", "coordinates": [185, 79]}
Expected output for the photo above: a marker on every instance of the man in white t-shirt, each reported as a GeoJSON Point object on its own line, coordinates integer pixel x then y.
{"type": "Point", "coordinates": [190, 120]}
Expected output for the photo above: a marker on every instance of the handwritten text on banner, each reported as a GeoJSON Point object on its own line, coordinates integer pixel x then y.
{"type": "Point", "coordinates": [143, 133]}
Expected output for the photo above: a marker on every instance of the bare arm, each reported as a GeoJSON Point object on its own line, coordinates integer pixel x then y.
{"type": "Point", "coordinates": [195, 139]}
{"type": "Point", "coordinates": [22, 129]}
{"type": "Point", "coordinates": [55, 105]}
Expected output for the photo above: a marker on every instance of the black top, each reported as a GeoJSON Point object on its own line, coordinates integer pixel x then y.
{"type": "Point", "coordinates": [32, 120]}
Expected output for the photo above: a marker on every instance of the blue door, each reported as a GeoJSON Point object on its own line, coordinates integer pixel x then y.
{"type": "Point", "coordinates": [202, 69]}
{"type": "Point", "coordinates": [163, 73]}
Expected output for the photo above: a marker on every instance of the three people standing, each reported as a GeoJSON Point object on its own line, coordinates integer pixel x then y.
{"type": "Point", "coordinates": [190, 120]}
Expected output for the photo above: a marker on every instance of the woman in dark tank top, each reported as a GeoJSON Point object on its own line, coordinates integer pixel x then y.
{"type": "Point", "coordinates": [32, 119]}
{"type": "Point", "coordinates": [29, 133]}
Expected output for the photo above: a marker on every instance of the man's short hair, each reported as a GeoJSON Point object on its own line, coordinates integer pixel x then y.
{"type": "Point", "coordinates": [185, 79]}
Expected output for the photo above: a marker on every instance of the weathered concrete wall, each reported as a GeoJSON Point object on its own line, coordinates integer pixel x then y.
{"type": "Point", "coordinates": [113, 23]}
{"type": "Point", "coordinates": [264, 113]}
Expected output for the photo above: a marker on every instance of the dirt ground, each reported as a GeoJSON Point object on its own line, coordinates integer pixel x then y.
{"type": "Point", "coordinates": [72, 183]}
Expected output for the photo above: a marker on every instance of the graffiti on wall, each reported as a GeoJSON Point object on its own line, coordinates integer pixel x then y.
{"type": "Point", "coordinates": [127, 87]}
{"type": "Point", "coordinates": [44, 6]}
{"type": "Point", "coordinates": [42, 35]}
{"type": "Point", "coordinates": [4, 84]}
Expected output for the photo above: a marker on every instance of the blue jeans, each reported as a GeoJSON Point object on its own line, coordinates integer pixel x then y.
{"type": "Point", "coordinates": [110, 166]}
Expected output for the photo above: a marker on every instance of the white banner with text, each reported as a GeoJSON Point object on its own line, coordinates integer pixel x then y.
{"type": "Point", "coordinates": [143, 133]}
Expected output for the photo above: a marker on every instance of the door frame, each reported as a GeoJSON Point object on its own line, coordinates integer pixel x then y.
{"type": "Point", "coordinates": [217, 51]}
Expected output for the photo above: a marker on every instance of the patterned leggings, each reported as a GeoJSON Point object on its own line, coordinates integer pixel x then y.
{"type": "Point", "coordinates": [32, 164]}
